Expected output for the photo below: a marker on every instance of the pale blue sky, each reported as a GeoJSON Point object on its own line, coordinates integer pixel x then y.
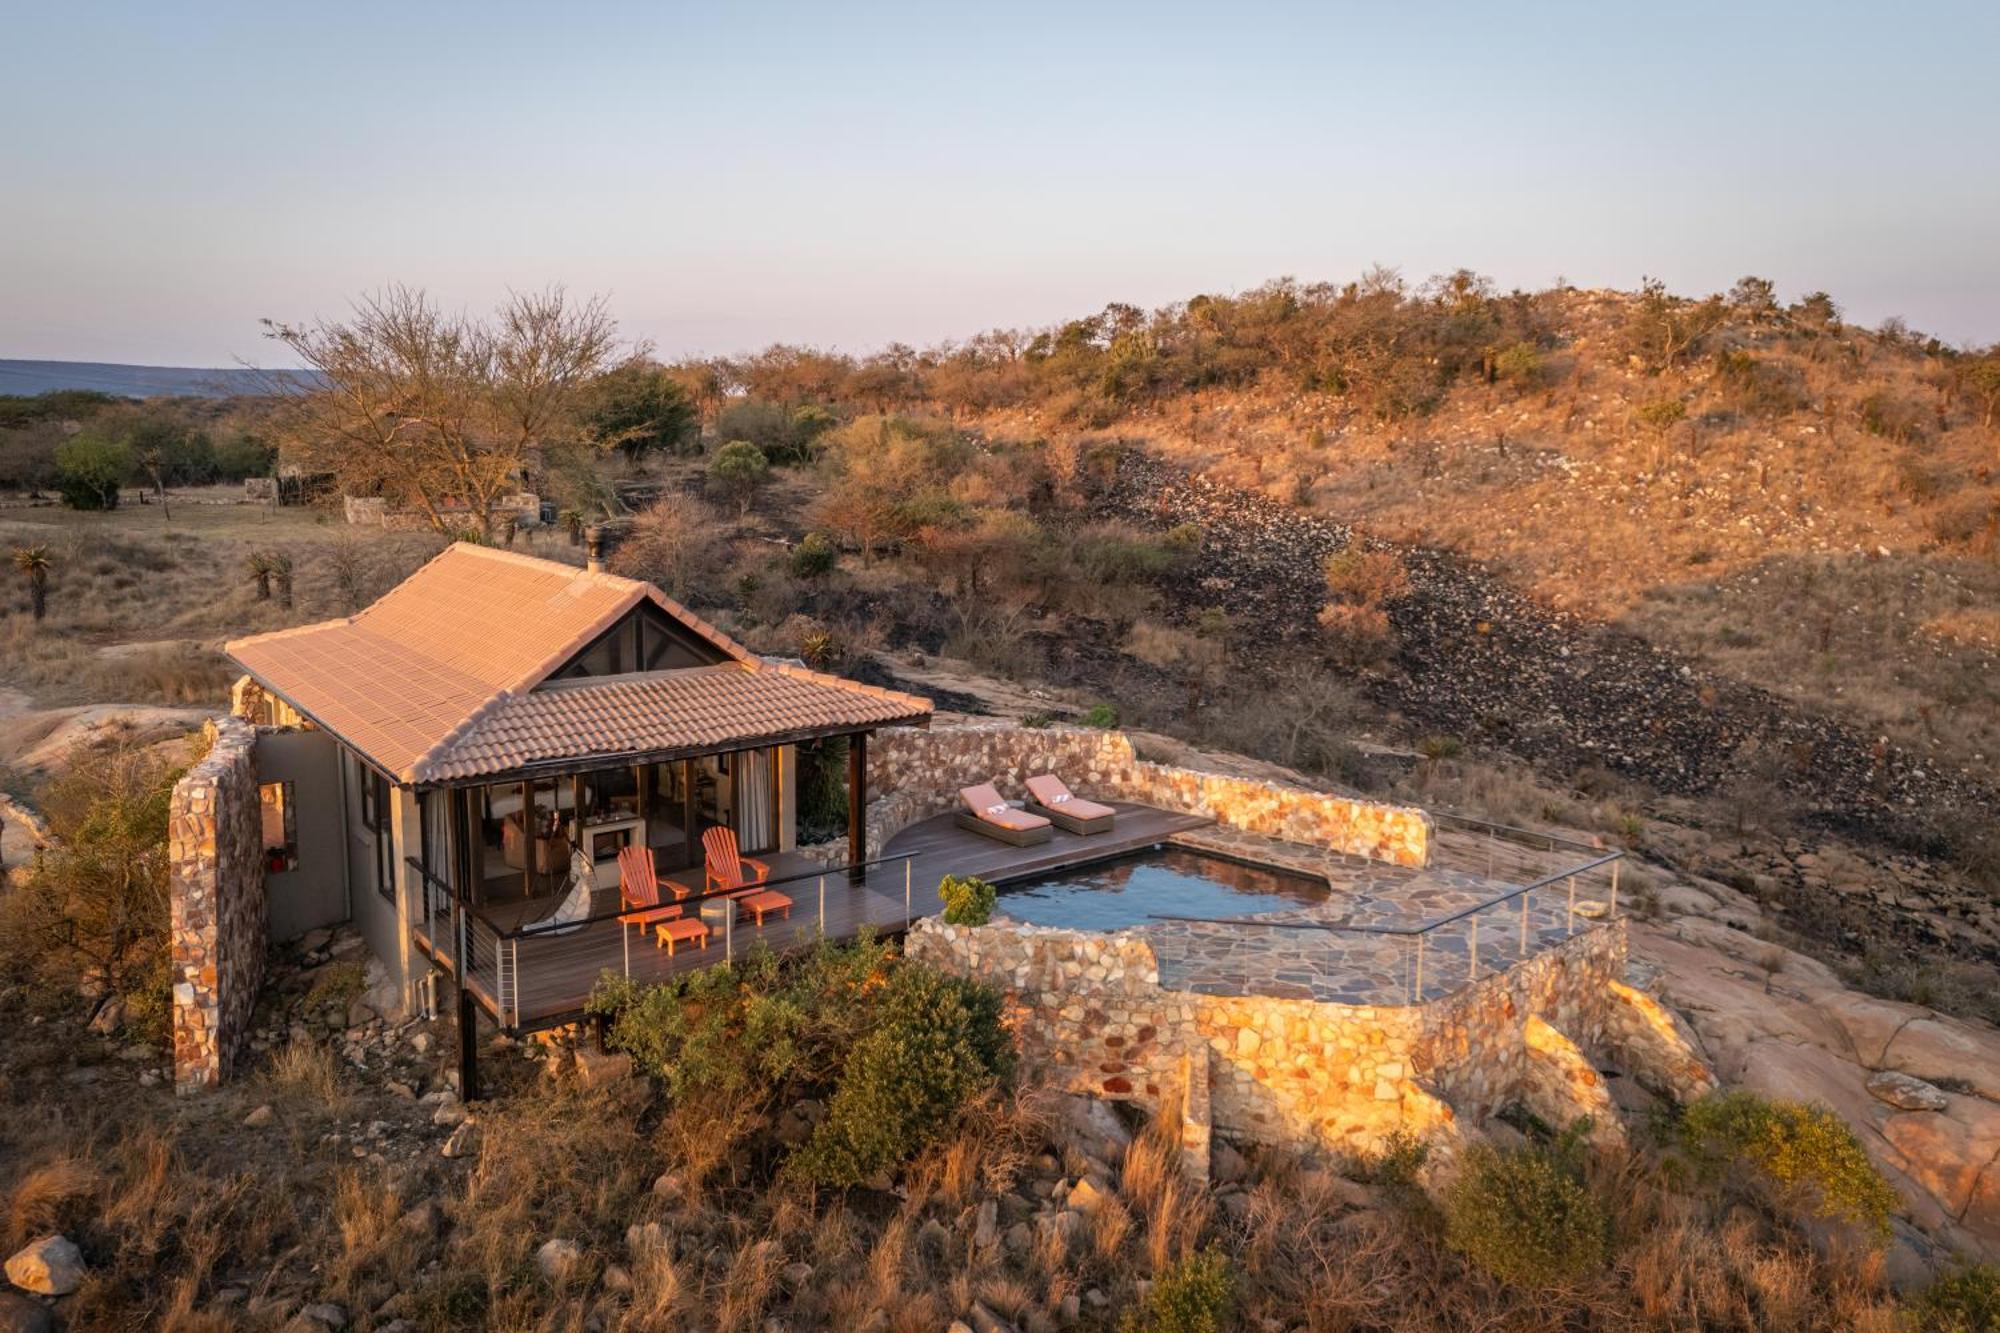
{"type": "Point", "coordinates": [845, 175]}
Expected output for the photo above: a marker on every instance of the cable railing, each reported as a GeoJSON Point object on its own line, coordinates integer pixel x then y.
{"type": "Point", "coordinates": [1429, 970]}
{"type": "Point", "coordinates": [502, 962]}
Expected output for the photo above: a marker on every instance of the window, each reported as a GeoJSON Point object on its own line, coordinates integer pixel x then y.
{"type": "Point", "coordinates": [374, 799]}
{"type": "Point", "coordinates": [281, 827]}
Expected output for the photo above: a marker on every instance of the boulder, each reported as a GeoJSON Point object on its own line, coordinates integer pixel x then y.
{"type": "Point", "coordinates": [260, 1117]}
{"type": "Point", "coordinates": [1085, 1196]}
{"type": "Point", "coordinates": [1092, 1127]}
{"type": "Point", "coordinates": [557, 1259]}
{"type": "Point", "coordinates": [51, 1266]}
{"type": "Point", "coordinates": [421, 1218]}
{"type": "Point", "coordinates": [109, 1017]}
{"type": "Point", "coordinates": [460, 1143]}
{"type": "Point", "coordinates": [1904, 1092]}
{"type": "Point", "coordinates": [326, 1315]}
{"type": "Point", "coordinates": [602, 1069]}
{"type": "Point", "coordinates": [24, 1314]}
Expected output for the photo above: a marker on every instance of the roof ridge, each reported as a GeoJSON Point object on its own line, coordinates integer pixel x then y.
{"type": "Point", "coordinates": [290, 631]}
{"type": "Point", "coordinates": [856, 686]}
{"type": "Point", "coordinates": [603, 576]}
{"type": "Point", "coordinates": [419, 768]}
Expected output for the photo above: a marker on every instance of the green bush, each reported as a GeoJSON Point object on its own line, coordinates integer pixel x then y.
{"type": "Point", "coordinates": [968, 900]}
{"type": "Point", "coordinates": [1967, 1301]}
{"type": "Point", "coordinates": [938, 1044]}
{"type": "Point", "coordinates": [814, 557]}
{"type": "Point", "coordinates": [1806, 1153]}
{"type": "Point", "coordinates": [738, 469]}
{"type": "Point", "coordinates": [1660, 413]}
{"type": "Point", "coordinates": [1196, 1295]}
{"type": "Point", "coordinates": [90, 470]}
{"type": "Point", "coordinates": [755, 1030]}
{"type": "Point", "coordinates": [1526, 1216]}
{"type": "Point", "coordinates": [1395, 1168]}
{"type": "Point", "coordinates": [1102, 716]}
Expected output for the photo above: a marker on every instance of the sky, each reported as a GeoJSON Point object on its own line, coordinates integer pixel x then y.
{"type": "Point", "coordinates": [849, 174]}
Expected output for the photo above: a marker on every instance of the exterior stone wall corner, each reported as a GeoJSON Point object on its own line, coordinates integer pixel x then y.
{"type": "Point", "coordinates": [1649, 1041]}
{"type": "Point", "coordinates": [1561, 1086]}
{"type": "Point", "coordinates": [216, 909]}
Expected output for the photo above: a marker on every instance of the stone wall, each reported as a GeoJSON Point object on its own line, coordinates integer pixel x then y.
{"type": "Point", "coordinates": [1089, 1013]}
{"type": "Point", "coordinates": [215, 846]}
{"type": "Point", "coordinates": [1472, 1051]}
{"type": "Point", "coordinates": [914, 774]}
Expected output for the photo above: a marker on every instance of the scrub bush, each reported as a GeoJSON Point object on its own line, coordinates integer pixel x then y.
{"type": "Point", "coordinates": [1196, 1295]}
{"type": "Point", "coordinates": [1807, 1154]}
{"type": "Point", "coordinates": [1967, 1301]}
{"type": "Point", "coordinates": [1527, 1217]}
{"type": "Point", "coordinates": [939, 1043]}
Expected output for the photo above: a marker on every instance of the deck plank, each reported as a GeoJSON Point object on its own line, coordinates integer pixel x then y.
{"type": "Point", "coordinates": [557, 973]}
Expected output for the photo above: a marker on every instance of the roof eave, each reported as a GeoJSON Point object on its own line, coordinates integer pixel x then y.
{"type": "Point", "coordinates": [627, 758]}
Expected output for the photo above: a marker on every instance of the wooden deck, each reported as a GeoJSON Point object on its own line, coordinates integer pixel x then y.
{"type": "Point", "coordinates": [555, 974]}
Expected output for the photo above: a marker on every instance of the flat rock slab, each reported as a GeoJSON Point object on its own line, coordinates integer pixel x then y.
{"type": "Point", "coordinates": [1905, 1092]}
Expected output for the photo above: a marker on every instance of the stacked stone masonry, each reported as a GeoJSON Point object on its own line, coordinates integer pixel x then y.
{"type": "Point", "coordinates": [918, 773]}
{"type": "Point", "coordinates": [1090, 1014]}
{"type": "Point", "coordinates": [216, 875]}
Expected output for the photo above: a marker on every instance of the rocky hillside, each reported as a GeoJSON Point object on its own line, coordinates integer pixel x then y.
{"type": "Point", "coordinates": [1810, 509]}
{"type": "Point", "coordinates": [1480, 659]}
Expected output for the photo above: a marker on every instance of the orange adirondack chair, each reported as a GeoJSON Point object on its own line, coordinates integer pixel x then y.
{"type": "Point", "coordinates": [731, 872]}
{"type": "Point", "coordinates": [639, 901]}
{"type": "Point", "coordinates": [725, 868]}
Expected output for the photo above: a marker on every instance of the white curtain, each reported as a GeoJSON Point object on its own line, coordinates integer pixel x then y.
{"type": "Point", "coordinates": [755, 819]}
{"type": "Point", "coordinates": [437, 832]}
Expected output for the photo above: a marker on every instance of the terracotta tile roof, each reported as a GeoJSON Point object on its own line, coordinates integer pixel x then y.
{"type": "Point", "coordinates": [410, 675]}
{"type": "Point", "coordinates": [694, 709]}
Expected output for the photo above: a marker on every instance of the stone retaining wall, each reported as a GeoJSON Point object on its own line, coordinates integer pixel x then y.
{"type": "Point", "coordinates": [1089, 1012]}
{"type": "Point", "coordinates": [1472, 1051]}
{"type": "Point", "coordinates": [914, 774]}
{"type": "Point", "coordinates": [216, 878]}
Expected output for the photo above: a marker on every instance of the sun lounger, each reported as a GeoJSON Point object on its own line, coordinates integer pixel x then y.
{"type": "Point", "coordinates": [986, 812]}
{"type": "Point", "coordinates": [1050, 797]}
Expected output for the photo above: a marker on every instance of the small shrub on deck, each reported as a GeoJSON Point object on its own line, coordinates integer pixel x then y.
{"type": "Point", "coordinates": [968, 900]}
{"type": "Point", "coordinates": [939, 1043]}
{"type": "Point", "coordinates": [1526, 1216]}
{"type": "Point", "coordinates": [1806, 1152]}
{"type": "Point", "coordinates": [1196, 1295]}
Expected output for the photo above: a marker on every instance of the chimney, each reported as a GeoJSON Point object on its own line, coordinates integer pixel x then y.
{"type": "Point", "coordinates": [596, 545]}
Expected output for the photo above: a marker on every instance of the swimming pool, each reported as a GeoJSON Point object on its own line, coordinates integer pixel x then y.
{"type": "Point", "coordinates": [1165, 881]}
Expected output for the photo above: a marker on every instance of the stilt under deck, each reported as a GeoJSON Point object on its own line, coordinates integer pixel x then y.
{"type": "Point", "coordinates": [548, 978]}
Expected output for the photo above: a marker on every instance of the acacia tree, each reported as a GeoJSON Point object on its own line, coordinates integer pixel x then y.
{"type": "Point", "coordinates": [444, 412]}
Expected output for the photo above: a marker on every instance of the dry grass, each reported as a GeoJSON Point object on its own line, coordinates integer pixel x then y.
{"type": "Point", "coordinates": [306, 1075]}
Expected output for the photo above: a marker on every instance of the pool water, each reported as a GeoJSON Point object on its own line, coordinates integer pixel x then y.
{"type": "Point", "coordinates": [1168, 881]}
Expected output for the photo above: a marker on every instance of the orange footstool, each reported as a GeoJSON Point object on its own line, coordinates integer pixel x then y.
{"type": "Point", "coordinates": [681, 930]}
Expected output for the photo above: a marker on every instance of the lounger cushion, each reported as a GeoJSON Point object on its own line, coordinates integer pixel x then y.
{"type": "Point", "coordinates": [1052, 792]}
{"type": "Point", "coordinates": [984, 801]}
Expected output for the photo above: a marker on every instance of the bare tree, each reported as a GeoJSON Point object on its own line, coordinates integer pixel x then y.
{"type": "Point", "coordinates": [444, 412]}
